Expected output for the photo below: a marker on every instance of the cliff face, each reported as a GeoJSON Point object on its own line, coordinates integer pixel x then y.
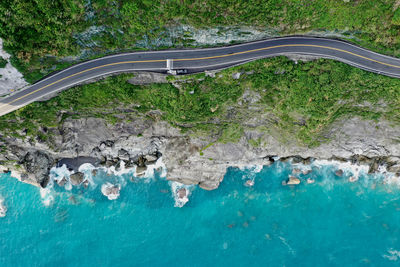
{"type": "Point", "coordinates": [139, 139]}
{"type": "Point", "coordinates": [190, 159]}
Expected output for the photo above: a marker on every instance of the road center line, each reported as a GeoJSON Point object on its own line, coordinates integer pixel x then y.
{"type": "Point", "coordinates": [200, 58]}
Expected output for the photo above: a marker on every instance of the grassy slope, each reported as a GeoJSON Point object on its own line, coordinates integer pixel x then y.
{"type": "Point", "coordinates": [304, 98]}
{"type": "Point", "coordinates": [34, 29]}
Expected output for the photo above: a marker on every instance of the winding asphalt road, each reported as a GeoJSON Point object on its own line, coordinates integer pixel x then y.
{"type": "Point", "coordinates": [198, 60]}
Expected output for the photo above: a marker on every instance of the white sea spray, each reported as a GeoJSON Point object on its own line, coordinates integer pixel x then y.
{"type": "Point", "coordinates": [111, 179]}
{"type": "Point", "coordinates": [250, 172]}
{"type": "Point", "coordinates": [393, 255]}
{"type": "Point", "coordinates": [180, 201]}
{"type": "Point", "coordinates": [111, 191]}
{"type": "Point", "coordinates": [348, 168]}
{"type": "Point", "coordinates": [3, 208]}
{"type": "Point", "coordinates": [47, 196]}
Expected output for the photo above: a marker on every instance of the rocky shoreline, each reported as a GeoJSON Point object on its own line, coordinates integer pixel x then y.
{"type": "Point", "coordinates": [189, 160]}
{"type": "Point", "coordinates": [139, 140]}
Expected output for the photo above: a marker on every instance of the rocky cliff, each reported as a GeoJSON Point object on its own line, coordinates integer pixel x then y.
{"type": "Point", "coordinates": [190, 159]}
{"type": "Point", "coordinates": [139, 139]}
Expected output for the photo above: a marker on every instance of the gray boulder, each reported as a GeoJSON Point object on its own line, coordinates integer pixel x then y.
{"type": "Point", "coordinates": [77, 178]}
{"type": "Point", "coordinates": [37, 164]}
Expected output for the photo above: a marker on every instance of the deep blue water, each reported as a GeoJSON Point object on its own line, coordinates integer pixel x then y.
{"type": "Point", "coordinates": [331, 222]}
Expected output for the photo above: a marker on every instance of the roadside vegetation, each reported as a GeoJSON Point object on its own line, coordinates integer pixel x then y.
{"type": "Point", "coordinates": [3, 62]}
{"type": "Point", "coordinates": [39, 33]}
{"type": "Point", "coordinates": [300, 101]}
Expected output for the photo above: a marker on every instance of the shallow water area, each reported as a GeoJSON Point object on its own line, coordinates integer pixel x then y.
{"type": "Point", "coordinates": [329, 222]}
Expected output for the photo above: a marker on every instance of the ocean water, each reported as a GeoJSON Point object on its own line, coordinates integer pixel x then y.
{"type": "Point", "coordinates": [331, 222]}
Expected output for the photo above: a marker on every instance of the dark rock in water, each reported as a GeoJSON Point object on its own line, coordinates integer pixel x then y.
{"type": "Point", "coordinates": [38, 163]}
{"type": "Point", "coordinates": [297, 159]}
{"type": "Point", "coordinates": [76, 178]}
{"type": "Point", "coordinates": [339, 173]}
{"type": "Point", "coordinates": [110, 191]}
{"type": "Point", "coordinates": [85, 184]}
{"type": "Point", "coordinates": [293, 180]}
{"type": "Point", "coordinates": [118, 166]}
{"type": "Point", "coordinates": [129, 164]}
{"type": "Point", "coordinates": [141, 161]}
{"type": "Point", "coordinates": [182, 192]}
{"type": "Point", "coordinates": [62, 182]}
{"type": "Point", "coordinates": [373, 167]}
{"type": "Point", "coordinates": [94, 172]}
{"type": "Point", "coordinates": [73, 164]}
{"type": "Point", "coordinates": [109, 163]}
{"type": "Point", "coordinates": [140, 171]}
{"type": "Point", "coordinates": [73, 200]}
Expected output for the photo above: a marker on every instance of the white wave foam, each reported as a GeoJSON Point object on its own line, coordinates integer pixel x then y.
{"type": "Point", "coordinates": [47, 196]}
{"type": "Point", "coordinates": [250, 174]}
{"type": "Point", "coordinates": [87, 169]}
{"type": "Point", "coordinates": [180, 193]}
{"type": "Point", "coordinates": [3, 208]}
{"type": "Point", "coordinates": [158, 166]}
{"type": "Point", "coordinates": [57, 174]}
{"type": "Point", "coordinates": [110, 190]}
{"type": "Point", "coordinates": [393, 255]}
{"type": "Point", "coordinates": [61, 176]}
{"type": "Point", "coordinates": [348, 168]}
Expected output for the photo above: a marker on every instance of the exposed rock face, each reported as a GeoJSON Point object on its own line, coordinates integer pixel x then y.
{"type": "Point", "coordinates": [293, 180]}
{"type": "Point", "coordinates": [76, 178]}
{"type": "Point", "coordinates": [110, 191]}
{"type": "Point", "coordinates": [37, 164]}
{"type": "Point", "coordinates": [192, 160]}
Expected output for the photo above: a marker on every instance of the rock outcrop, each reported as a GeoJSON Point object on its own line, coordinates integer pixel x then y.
{"type": "Point", "coordinates": [111, 191]}
{"type": "Point", "coordinates": [194, 160]}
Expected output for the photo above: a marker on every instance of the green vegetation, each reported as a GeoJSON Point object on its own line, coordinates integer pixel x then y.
{"type": "Point", "coordinates": [301, 100]}
{"type": "Point", "coordinates": [3, 62]}
{"type": "Point", "coordinates": [39, 32]}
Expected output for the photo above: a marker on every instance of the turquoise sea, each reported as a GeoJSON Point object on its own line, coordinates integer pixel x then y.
{"type": "Point", "coordinates": [331, 222]}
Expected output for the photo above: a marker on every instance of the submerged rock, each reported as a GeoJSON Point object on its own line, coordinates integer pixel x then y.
{"type": "Point", "coordinates": [339, 173]}
{"type": "Point", "coordinates": [76, 178]}
{"type": "Point", "coordinates": [140, 171]}
{"type": "Point", "coordinates": [110, 191]}
{"type": "Point", "coordinates": [296, 171]}
{"type": "Point", "coordinates": [353, 179]}
{"type": "Point", "coordinates": [249, 183]}
{"type": "Point", "coordinates": [62, 181]}
{"type": "Point", "coordinates": [181, 195]}
{"type": "Point", "coordinates": [85, 184]}
{"type": "Point", "coordinates": [293, 180]}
